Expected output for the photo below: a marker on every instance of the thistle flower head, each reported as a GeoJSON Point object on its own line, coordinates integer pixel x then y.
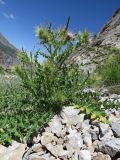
{"type": "Point", "coordinates": [69, 35]}
{"type": "Point", "coordinates": [42, 33]}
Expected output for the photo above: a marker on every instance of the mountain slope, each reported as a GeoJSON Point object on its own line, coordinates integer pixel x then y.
{"type": "Point", "coordinates": [110, 33]}
{"type": "Point", "coordinates": [5, 42]}
{"type": "Point", "coordinates": [96, 50]}
{"type": "Point", "coordinates": [7, 53]}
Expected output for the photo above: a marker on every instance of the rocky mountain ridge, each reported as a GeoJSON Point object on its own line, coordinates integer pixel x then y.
{"type": "Point", "coordinates": [5, 42]}
{"type": "Point", "coordinates": [90, 55]}
{"type": "Point", "coordinates": [110, 33]}
{"type": "Point", "coordinates": [7, 53]}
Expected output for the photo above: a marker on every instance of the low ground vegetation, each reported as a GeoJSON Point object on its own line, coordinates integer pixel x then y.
{"type": "Point", "coordinates": [110, 69]}
{"type": "Point", "coordinates": [18, 117]}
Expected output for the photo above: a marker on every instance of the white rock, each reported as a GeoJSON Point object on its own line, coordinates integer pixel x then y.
{"type": "Point", "coordinates": [52, 158]}
{"type": "Point", "coordinates": [85, 126]}
{"type": "Point", "coordinates": [96, 144]}
{"type": "Point", "coordinates": [101, 156]}
{"type": "Point", "coordinates": [37, 147]}
{"type": "Point", "coordinates": [114, 118]}
{"type": "Point", "coordinates": [74, 143]}
{"type": "Point", "coordinates": [57, 150]}
{"type": "Point", "coordinates": [84, 155]}
{"type": "Point", "coordinates": [87, 139]}
{"type": "Point", "coordinates": [47, 138]}
{"type": "Point", "coordinates": [108, 135]}
{"type": "Point", "coordinates": [75, 156]}
{"type": "Point", "coordinates": [114, 96]}
{"type": "Point", "coordinates": [35, 156]}
{"type": "Point", "coordinates": [63, 132]}
{"type": "Point", "coordinates": [2, 149]}
{"type": "Point", "coordinates": [14, 152]}
{"type": "Point", "coordinates": [56, 126]}
{"type": "Point", "coordinates": [48, 129]}
{"type": "Point", "coordinates": [104, 128]}
{"type": "Point", "coordinates": [70, 116]}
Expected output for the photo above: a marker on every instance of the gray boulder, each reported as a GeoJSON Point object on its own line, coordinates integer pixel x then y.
{"type": "Point", "coordinates": [110, 146]}
{"type": "Point", "coordinates": [70, 116]}
{"type": "Point", "coordinates": [74, 142]}
{"type": "Point", "coordinates": [47, 138]}
{"type": "Point", "coordinates": [56, 126]}
{"type": "Point", "coordinates": [101, 156]}
{"type": "Point", "coordinates": [116, 129]}
{"type": "Point", "coordinates": [104, 128]}
{"type": "Point", "coordinates": [57, 150]}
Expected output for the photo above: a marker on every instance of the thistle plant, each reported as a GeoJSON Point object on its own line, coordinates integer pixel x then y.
{"type": "Point", "coordinates": [59, 43]}
{"type": "Point", "coordinates": [52, 83]}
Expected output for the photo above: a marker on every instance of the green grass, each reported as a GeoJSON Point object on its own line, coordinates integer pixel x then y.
{"type": "Point", "coordinates": [18, 117]}
{"type": "Point", "coordinates": [110, 70]}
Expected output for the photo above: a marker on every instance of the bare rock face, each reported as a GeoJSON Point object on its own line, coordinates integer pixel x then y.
{"type": "Point", "coordinates": [110, 33]}
{"type": "Point", "coordinates": [90, 55]}
{"type": "Point", "coordinates": [7, 53]}
{"type": "Point", "coordinates": [84, 56]}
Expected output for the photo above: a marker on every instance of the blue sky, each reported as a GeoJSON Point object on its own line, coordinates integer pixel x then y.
{"type": "Point", "coordinates": [18, 18]}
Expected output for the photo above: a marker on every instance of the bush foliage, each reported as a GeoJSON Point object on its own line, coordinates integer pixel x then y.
{"type": "Point", "coordinates": [110, 70]}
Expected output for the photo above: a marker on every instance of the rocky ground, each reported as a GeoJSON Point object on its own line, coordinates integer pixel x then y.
{"type": "Point", "coordinates": [72, 136]}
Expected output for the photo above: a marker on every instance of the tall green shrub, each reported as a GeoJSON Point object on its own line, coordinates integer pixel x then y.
{"type": "Point", "coordinates": [52, 83]}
